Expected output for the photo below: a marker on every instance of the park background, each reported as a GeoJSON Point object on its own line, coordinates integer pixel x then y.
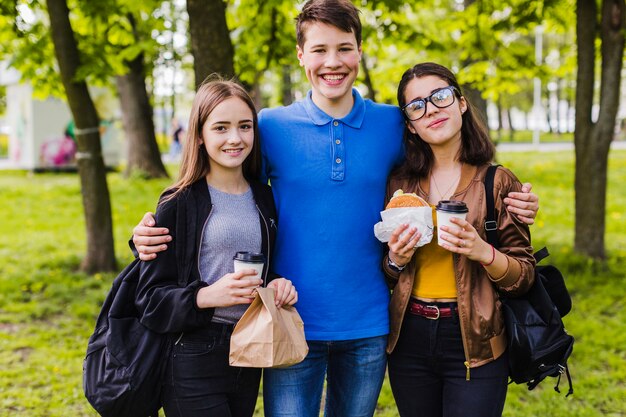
{"type": "Point", "coordinates": [548, 71]}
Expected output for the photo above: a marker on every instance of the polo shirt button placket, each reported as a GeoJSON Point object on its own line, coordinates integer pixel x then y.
{"type": "Point", "coordinates": [338, 166]}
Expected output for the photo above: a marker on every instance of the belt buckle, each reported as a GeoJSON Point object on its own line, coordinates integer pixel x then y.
{"type": "Point", "coordinates": [438, 312]}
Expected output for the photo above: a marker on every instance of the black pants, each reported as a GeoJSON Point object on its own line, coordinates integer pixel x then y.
{"type": "Point", "coordinates": [428, 375]}
{"type": "Point", "coordinates": [200, 382]}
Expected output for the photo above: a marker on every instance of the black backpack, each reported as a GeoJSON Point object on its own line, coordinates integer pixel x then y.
{"type": "Point", "coordinates": [538, 344]}
{"type": "Point", "coordinates": [125, 361]}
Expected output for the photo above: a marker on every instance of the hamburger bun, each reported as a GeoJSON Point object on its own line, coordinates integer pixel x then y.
{"type": "Point", "coordinates": [402, 199]}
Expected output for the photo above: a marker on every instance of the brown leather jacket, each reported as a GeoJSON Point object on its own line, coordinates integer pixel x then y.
{"type": "Point", "coordinates": [480, 315]}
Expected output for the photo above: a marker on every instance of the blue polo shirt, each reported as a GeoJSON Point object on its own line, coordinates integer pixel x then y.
{"type": "Point", "coordinates": [328, 177]}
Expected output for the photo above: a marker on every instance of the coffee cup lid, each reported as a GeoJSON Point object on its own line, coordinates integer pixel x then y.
{"type": "Point", "coordinates": [452, 206]}
{"type": "Point", "coordinates": [249, 257]}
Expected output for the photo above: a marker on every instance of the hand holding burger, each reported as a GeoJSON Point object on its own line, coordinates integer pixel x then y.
{"type": "Point", "coordinates": [404, 239]}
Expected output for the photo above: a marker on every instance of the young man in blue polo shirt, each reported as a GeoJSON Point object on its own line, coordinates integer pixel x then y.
{"type": "Point", "coordinates": [327, 158]}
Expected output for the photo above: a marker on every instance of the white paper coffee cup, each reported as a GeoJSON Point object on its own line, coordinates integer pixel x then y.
{"type": "Point", "coordinates": [446, 209]}
{"type": "Point", "coordinates": [249, 260]}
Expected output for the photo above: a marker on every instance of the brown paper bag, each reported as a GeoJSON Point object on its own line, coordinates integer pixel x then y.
{"type": "Point", "coordinates": [267, 336]}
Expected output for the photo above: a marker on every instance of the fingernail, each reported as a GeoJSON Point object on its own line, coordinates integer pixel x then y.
{"type": "Point", "coordinates": [169, 238]}
{"type": "Point", "coordinates": [163, 247]}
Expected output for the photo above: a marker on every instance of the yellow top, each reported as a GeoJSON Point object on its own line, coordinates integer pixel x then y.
{"type": "Point", "coordinates": [434, 277]}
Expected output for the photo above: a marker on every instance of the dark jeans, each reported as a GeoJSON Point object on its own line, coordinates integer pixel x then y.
{"type": "Point", "coordinates": [428, 375]}
{"type": "Point", "coordinates": [200, 382]}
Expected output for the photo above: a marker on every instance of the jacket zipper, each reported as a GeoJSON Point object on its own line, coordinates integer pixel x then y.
{"type": "Point", "coordinates": [267, 231]}
{"type": "Point", "coordinates": [461, 321]}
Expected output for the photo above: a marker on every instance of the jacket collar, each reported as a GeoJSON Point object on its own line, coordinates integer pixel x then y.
{"type": "Point", "coordinates": [353, 119]}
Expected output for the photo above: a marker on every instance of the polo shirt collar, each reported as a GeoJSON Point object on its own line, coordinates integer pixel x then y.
{"type": "Point", "coordinates": [353, 119]}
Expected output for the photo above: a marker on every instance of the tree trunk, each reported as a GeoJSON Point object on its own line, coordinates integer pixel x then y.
{"type": "Point", "coordinates": [509, 121]}
{"type": "Point", "coordinates": [559, 116]}
{"type": "Point", "coordinates": [211, 47]}
{"type": "Point", "coordinates": [144, 156]}
{"type": "Point", "coordinates": [548, 107]}
{"type": "Point", "coordinates": [143, 151]}
{"type": "Point", "coordinates": [480, 104]}
{"type": "Point", "coordinates": [593, 140]}
{"type": "Point", "coordinates": [367, 79]}
{"type": "Point", "coordinates": [500, 120]}
{"type": "Point", "coordinates": [95, 193]}
{"type": "Point", "coordinates": [254, 90]}
{"type": "Point", "coordinates": [286, 86]}
{"type": "Point", "coordinates": [474, 95]}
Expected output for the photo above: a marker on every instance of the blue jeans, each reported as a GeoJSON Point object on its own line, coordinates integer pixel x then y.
{"type": "Point", "coordinates": [355, 370]}
{"type": "Point", "coordinates": [428, 375]}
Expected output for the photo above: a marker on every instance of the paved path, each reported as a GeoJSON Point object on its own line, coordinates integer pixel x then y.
{"type": "Point", "coordinates": [549, 147]}
{"type": "Point", "coordinates": [503, 147]}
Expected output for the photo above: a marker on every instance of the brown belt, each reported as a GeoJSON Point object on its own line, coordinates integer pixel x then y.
{"type": "Point", "coordinates": [432, 312]}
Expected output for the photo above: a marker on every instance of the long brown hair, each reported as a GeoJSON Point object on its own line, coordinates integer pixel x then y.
{"type": "Point", "coordinates": [195, 163]}
{"type": "Point", "coordinates": [476, 147]}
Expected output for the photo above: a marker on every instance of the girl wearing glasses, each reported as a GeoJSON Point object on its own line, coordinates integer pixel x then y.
{"type": "Point", "coordinates": [447, 341]}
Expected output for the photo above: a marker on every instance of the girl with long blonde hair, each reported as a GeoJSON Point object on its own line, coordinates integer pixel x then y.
{"type": "Point", "coordinates": [215, 209]}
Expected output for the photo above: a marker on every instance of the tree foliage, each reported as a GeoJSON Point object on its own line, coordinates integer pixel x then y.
{"type": "Point", "coordinates": [497, 36]}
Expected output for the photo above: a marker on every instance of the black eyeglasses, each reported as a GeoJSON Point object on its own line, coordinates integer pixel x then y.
{"type": "Point", "coordinates": [442, 98]}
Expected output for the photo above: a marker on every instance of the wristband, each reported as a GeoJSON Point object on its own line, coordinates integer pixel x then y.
{"type": "Point", "coordinates": [391, 264]}
{"type": "Point", "coordinates": [493, 256]}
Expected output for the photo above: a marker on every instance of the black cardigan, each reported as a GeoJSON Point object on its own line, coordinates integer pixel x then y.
{"type": "Point", "coordinates": [166, 293]}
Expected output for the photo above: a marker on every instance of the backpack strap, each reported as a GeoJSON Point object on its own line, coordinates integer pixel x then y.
{"type": "Point", "coordinates": [541, 254]}
{"type": "Point", "coordinates": [491, 224]}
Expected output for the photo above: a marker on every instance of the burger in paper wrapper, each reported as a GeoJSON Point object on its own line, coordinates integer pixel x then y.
{"type": "Point", "coordinates": [402, 199]}
{"type": "Point", "coordinates": [406, 208]}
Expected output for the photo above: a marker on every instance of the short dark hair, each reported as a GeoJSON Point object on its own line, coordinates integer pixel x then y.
{"type": "Point", "coordinates": [339, 13]}
{"type": "Point", "coordinates": [476, 147]}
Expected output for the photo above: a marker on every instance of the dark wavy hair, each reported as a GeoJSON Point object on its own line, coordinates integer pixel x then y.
{"type": "Point", "coordinates": [476, 147]}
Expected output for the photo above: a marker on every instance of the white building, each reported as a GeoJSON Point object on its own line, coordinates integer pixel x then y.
{"type": "Point", "coordinates": [37, 128]}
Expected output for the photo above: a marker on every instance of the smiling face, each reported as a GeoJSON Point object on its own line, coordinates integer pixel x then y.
{"type": "Point", "coordinates": [438, 127]}
{"type": "Point", "coordinates": [228, 135]}
{"type": "Point", "coordinates": [330, 58]}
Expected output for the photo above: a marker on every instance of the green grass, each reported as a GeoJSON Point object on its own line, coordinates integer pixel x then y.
{"type": "Point", "coordinates": [48, 308]}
